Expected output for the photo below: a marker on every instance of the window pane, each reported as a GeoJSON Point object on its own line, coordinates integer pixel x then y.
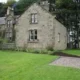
{"type": "Point", "coordinates": [32, 18]}
{"type": "Point", "coordinates": [36, 18]}
{"type": "Point", "coordinates": [8, 24]}
{"type": "Point", "coordinates": [35, 37]}
{"type": "Point", "coordinates": [35, 31]}
{"type": "Point", "coordinates": [32, 37]}
{"type": "Point", "coordinates": [31, 32]}
{"type": "Point", "coordinates": [35, 34]}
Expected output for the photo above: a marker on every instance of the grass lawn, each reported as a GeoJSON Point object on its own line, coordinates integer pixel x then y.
{"type": "Point", "coordinates": [74, 52]}
{"type": "Point", "coordinates": [27, 66]}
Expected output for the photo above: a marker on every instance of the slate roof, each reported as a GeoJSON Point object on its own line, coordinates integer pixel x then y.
{"type": "Point", "coordinates": [2, 20]}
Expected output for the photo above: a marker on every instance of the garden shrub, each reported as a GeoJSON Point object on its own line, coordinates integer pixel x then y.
{"type": "Point", "coordinates": [49, 48]}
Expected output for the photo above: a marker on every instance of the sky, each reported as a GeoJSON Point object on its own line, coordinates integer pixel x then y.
{"type": "Point", "coordinates": [4, 1]}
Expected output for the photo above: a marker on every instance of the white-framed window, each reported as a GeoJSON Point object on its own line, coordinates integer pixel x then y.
{"type": "Point", "coordinates": [9, 23]}
{"type": "Point", "coordinates": [8, 34]}
{"type": "Point", "coordinates": [32, 35]}
{"type": "Point", "coordinates": [34, 18]}
{"type": "Point", "coordinates": [58, 37]}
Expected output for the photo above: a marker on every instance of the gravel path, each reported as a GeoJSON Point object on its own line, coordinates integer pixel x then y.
{"type": "Point", "coordinates": [67, 62]}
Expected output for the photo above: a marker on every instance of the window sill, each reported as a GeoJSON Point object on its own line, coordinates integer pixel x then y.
{"type": "Point", "coordinates": [36, 41]}
{"type": "Point", "coordinates": [33, 23]}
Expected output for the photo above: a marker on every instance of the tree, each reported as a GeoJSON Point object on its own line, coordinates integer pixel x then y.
{"type": "Point", "coordinates": [22, 5]}
{"type": "Point", "coordinates": [64, 4]}
{"type": "Point", "coordinates": [68, 13]}
{"type": "Point", "coordinates": [51, 6]}
{"type": "Point", "coordinates": [2, 9]}
{"type": "Point", "coordinates": [10, 3]}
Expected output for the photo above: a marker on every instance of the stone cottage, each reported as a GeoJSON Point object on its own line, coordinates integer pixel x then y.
{"type": "Point", "coordinates": [37, 28]}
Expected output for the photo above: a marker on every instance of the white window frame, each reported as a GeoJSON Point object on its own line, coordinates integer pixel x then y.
{"type": "Point", "coordinates": [34, 18]}
{"type": "Point", "coordinates": [33, 35]}
{"type": "Point", "coordinates": [9, 23]}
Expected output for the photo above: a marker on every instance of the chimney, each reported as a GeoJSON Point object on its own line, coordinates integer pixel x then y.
{"type": "Point", "coordinates": [10, 11]}
{"type": "Point", "coordinates": [45, 4]}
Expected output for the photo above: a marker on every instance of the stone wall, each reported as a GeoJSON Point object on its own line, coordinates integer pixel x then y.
{"type": "Point", "coordinates": [2, 27]}
{"type": "Point", "coordinates": [60, 32]}
{"type": "Point", "coordinates": [8, 46]}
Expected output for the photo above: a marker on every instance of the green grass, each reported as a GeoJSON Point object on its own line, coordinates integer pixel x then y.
{"type": "Point", "coordinates": [73, 52]}
{"type": "Point", "coordinates": [27, 66]}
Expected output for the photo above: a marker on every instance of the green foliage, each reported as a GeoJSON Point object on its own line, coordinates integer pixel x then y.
{"type": "Point", "coordinates": [39, 51]}
{"type": "Point", "coordinates": [2, 40]}
{"type": "Point", "coordinates": [68, 13]}
{"type": "Point", "coordinates": [2, 9]}
{"type": "Point", "coordinates": [64, 3]}
{"type": "Point", "coordinates": [35, 51]}
{"type": "Point", "coordinates": [10, 3]}
{"type": "Point", "coordinates": [49, 48]}
{"type": "Point", "coordinates": [22, 5]}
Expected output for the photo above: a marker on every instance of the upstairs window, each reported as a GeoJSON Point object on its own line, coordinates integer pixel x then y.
{"type": "Point", "coordinates": [9, 32]}
{"type": "Point", "coordinates": [34, 19]}
{"type": "Point", "coordinates": [32, 35]}
{"type": "Point", "coordinates": [9, 23]}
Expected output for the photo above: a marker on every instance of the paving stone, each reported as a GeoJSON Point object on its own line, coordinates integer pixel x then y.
{"type": "Point", "coordinates": [67, 62]}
